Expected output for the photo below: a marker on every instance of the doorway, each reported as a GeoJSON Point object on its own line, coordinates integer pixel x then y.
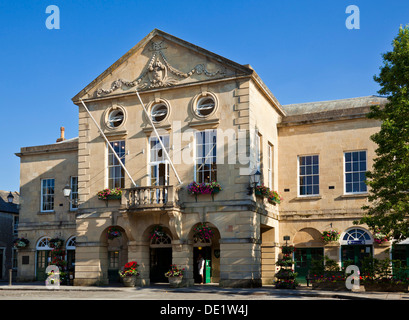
{"type": "Point", "coordinates": [206, 253]}
{"type": "Point", "coordinates": [160, 262]}
{"type": "Point", "coordinates": [303, 258]}
{"type": "Point", "coordinates": [355, 254]}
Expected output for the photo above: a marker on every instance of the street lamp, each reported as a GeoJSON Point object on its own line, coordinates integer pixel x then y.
{"type": "Point", "coordinates": [10, 198]}
{"type": "Point", "coordinates": [254, 181]}
{"type": "Point", "coordinates": [67, 191]}
{"type": "Point", "coordinates": [67, 194]}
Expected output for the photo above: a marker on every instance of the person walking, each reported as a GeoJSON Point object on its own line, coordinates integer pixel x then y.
{"type": "Point", "coordinates": [200, 265]}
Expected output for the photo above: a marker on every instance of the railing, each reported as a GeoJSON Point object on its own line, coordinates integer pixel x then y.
{"type": "Point", "coordinates": [148, 197]}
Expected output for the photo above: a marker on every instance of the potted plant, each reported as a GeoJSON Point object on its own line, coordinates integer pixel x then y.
{"type": "Point", "coordinates": [175, 275]}
{"type": "Point", "coordinates": [261, 191]}
{"type": "Point", "coordinates": [380, 237]}
{"type": "Point", "coordinates": [330, 236]}
{"type": "Point", "coordinates": [129, 274]}
{"type": "Point", "coordinates": [286, 275]}
{"type": "Point", "coordinates": [20, 243]}
{"type": "Point", "coordinates": [273, 197]}
{"type": "Point", "coordinates": [110, 194]}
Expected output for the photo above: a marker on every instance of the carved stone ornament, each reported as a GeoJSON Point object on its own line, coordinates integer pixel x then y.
{"type": "Point", "coordinates": [158, 73]}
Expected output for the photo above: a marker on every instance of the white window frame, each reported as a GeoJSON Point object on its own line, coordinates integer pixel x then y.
{"type": "Point", "coordinates": [42, 196]}
{"type": "Point", "coordinates": [270, 166]}
{"type": "Point", "coordinates": [73, 207]}
{"type": "Point", "coordinates": [156, 162]}
{"type": "Point", "coordinates": [208, 151]}
{"type": "Point", "coordinates": [344, 171]}
{"type": "Point", "coordinates": [298, 177]}
{"type": "Point", "coordinates": [108, 166]}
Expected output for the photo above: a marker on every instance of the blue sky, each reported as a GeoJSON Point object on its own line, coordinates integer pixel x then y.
{"type": "Point", "coordinates": [301, 49]}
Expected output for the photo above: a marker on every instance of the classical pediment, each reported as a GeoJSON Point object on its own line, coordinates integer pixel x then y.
{"type": "Point", "coordinates": [160, 61]}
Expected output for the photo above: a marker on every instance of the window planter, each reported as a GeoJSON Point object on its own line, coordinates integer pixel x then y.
{"type": "Point", "coordinates": [110, 194]}
{"type": "Point", "coordinates": [273, 197]}
{"type": "Point", "coordinates": [211, 188]}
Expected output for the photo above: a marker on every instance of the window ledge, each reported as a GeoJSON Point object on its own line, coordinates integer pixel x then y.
{"type": "Point", "coordinates": [45, 212]}
{"type": "Point", "coordinates": [307, 198]}
{"type": "Point", "coordinates": [355, 195]}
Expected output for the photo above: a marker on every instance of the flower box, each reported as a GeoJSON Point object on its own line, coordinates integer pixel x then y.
{"type": "Point", "coordinates": [110, 194]}
{"type": "Point", "coordinates": [211, 188]}
{"type": "Point", "coordinates": [129, 274]}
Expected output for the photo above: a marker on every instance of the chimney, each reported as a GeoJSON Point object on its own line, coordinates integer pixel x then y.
{"type": "Point", "coordinates": [61, 138]}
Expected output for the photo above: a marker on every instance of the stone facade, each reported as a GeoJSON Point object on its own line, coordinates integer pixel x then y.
{"type": "Point", "coordinates": [189, 90]}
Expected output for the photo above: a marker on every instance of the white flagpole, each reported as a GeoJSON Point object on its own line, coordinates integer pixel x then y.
{"type": "Point", "coordinates": [109, 144]}
{"type": "Point", "coordinates": [160, 140]}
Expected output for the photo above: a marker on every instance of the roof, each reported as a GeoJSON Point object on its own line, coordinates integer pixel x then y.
{"type": "Point", "coordinates": [332, 110]}
{"type": "Point", "coordinates": [5, 206]}
{"type": "Point", "coordinates": [330, 105]}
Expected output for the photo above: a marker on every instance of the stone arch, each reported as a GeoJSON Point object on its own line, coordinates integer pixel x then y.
{"type": "Point", "coordinates": [308, 237]}
{"type": "Point", "coordinates": [114, 253]}
{"type": "Point", "coordinates": [207, 248]}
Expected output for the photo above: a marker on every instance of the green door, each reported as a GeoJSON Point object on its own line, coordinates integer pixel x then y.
{"type": "Point", "coordinates": [43, 260]}
{"type": "Point", "coordinates": [354, 254]}
{"type": "Point", "coordinates": [400, 252]}
{"type": "Point", "coordinates": [303, 258]}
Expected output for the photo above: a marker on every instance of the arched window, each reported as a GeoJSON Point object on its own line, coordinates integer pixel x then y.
{"type": "Point", "coordinates": [356, 236]}
{"type": "Point", "coordinates": [161, 239]}
{"type": "Point", "coordinates": [71, 243]}
{"type": "Point", "coordinates": [43, 244]}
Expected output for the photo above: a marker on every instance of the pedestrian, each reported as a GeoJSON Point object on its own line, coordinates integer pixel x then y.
{"type": "Point", "coordinates": [200, 265]}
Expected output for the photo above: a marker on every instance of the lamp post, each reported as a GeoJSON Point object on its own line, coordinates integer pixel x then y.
{"type": "Point", "coordinates": [254, 181]}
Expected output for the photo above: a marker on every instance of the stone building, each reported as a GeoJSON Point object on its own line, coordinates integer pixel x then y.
{"type": "Point", "coordinates": [217, 121]}
{"type": "Point", "coordinates": [9, 215]}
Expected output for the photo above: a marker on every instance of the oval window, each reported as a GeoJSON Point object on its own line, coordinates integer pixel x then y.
{"type": "Point", "coordinates": [205, 106]}
{"type": "Point", "coordinates": [115, 118]}
{"type": "Point", "coordinates": [159, 112]}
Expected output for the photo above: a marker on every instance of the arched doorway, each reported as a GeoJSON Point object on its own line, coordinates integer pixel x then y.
{"type": "Point", "coordinates": [356, 244]}
{"type": "Point", "coordinates": [70, 250]}
{"type": "Point", "coordinates": [209, 249]}
{"type": "Point", "coordinates": [308, 248]}
{"type": "Point", "coordinates": [117, 251]}
{"type": "Point", "coordinates": [160, 253]}
{"type": "Point", "coordinates": [43, 258]}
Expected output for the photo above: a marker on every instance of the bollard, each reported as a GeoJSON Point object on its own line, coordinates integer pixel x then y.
{"type": "Point", "coordinates": [10, 276]}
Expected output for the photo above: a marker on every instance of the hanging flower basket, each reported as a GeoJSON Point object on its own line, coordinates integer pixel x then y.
{"type": "Point", "coordinates": [274, 198]}
{"type": "Point", "coordinates": [55, 243]}
{"type": "Point", "coordinates": [211, 188]}
{"type": "Point", "coordinates": [330, 235]}
{"type": "Point", "coordinates": [262, 191]}
{"type": "Point", "coordinates": [110, 194]}
{"type": "Point", "coordinates": [380, 237]}
{"type": "Point", "coordinates": [157, 232]}
{"type": "Point", "coordinates": [20, 243]}
{"type": "Point", "coordinates": [113, 232]}
{"type": "Point", "coordinates": [203, 232]}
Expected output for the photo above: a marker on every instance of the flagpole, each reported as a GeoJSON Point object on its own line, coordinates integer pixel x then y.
{"type": "Point", "coordinates": [109, 144]}
{"type": "Point", "coordinates": [157, 135]}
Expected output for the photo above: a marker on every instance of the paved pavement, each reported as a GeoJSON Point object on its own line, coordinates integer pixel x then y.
{"type": "Point", "coordinates": [34, 291]}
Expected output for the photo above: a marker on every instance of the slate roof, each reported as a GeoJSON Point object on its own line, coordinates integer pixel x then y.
{"type": "Point", "coordinates": [9, 207]}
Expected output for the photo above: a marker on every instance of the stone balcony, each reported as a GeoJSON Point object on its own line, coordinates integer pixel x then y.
{"type": "Point", "coordinates": [149, 198]}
